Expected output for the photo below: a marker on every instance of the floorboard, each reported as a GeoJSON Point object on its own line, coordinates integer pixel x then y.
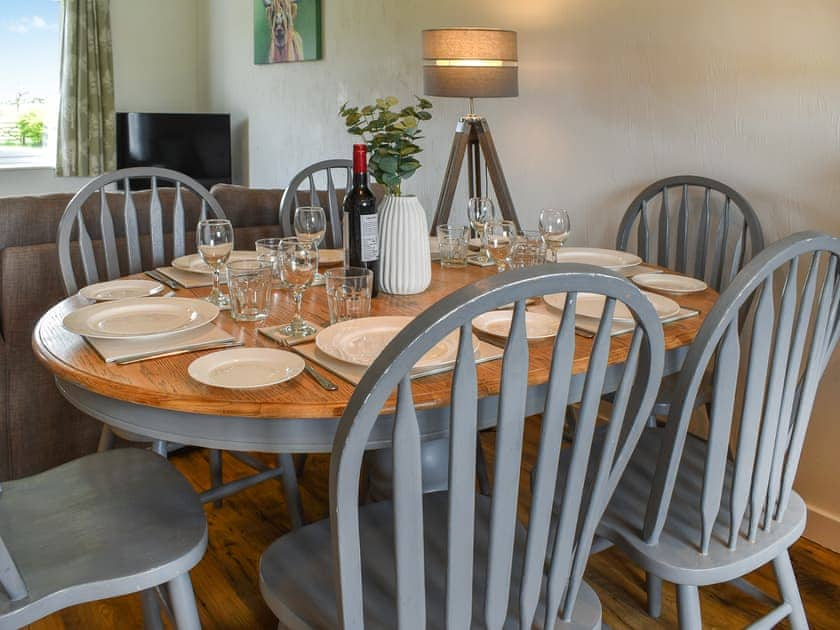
{"type": "Point", "coordinates": [227, 589]}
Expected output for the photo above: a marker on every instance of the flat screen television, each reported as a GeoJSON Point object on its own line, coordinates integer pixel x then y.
{"type": "Point", "coordinates": [195, 144]}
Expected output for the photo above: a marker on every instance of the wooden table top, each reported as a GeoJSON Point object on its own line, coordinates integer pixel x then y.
{"type": "Point", "coordinates": [164, 382]}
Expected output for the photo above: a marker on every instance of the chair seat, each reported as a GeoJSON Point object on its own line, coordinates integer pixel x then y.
{"type": "Point", "coordinates": [104, 525]}
{"type": "Point", "coordinates": [677, 556]}
{"type": "Point", "coordinates": [296, 572]}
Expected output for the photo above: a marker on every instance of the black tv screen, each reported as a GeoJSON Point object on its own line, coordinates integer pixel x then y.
{"type": "Point", "coordinates": [197, 145]}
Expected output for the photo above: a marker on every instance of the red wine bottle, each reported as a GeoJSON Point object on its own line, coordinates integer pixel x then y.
{"type": "Point", "coordinates": [361, 223]}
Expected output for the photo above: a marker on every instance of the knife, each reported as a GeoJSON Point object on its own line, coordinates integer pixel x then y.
{"type": "Point", "coordinates": [157, 275]}
{"type": "Point", "coordinates": [212, 345]}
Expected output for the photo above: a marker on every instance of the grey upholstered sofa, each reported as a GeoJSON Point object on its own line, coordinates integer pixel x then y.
{"type": "Point", "coordinates": [38, 429]}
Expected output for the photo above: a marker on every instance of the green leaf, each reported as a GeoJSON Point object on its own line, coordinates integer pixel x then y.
{"type": "Point", "coordinates": [367, 110]}
{"type": "Point", "coordinates": [424, 115]}
{"type": "Point", "coordinates": [388, 163]}
{"type": "Point", "coordinates": [422, 103]}
{"type": "Point", "coordinates": [410, 122]}
{"type": "Point", "coordinates": [391, 101]}
{"type": "Point", "coordinates": [409, 149]}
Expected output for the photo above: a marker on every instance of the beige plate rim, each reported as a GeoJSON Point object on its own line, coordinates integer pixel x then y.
{"type": "Point", "coordinates": [200, 370]}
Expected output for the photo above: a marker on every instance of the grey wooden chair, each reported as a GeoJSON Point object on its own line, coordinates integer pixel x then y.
{"type": "Point", "coordinates": [310, 178]}
{"type": "Point", "coordinates": [459, 559]}
{"type": "Point", "coordinates": [105, 525]}
{"type": "Point", "coordinates": [711, 242]}
{"type": "Point", "coordinates": [113, 242]}
{"type": "Point", "coordinates": [703, 510]}
{"type": "Point", "coordinates": [696, 226]}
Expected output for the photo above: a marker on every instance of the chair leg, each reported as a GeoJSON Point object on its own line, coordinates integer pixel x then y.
{"type": "Point", "coordinates": [481, 469]}
{"type": "Point", "coordinates": [215, 457]}
{"type": "Point", "coordinates": [151, 610]}
{"type": "Point", "coordinates": [106, 439]}
{"type": "Point", "coordinates": [688, 607]}
{"type": "Point", "coordinates": [300, 464]}
{"type": "Point", "coordinates": [291, 490]}
{"type": "Point", "coordinates": [789, 590]}
{"type": "Point", "coordinates": [654, 595]}
{"type": "Point", "coordinates": [183, 603]}
{"type": "Point", "coordinates": [159, 448]}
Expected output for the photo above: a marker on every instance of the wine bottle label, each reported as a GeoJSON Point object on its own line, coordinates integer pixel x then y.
{"type": "Point", "coordinates": [369, 230]}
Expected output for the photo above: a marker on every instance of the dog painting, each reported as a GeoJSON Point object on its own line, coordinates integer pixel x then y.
{"type": "Point", "coordinates": [287, 30]}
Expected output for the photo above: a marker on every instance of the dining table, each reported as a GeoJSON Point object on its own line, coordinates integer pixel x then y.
{"type": "Point", "coordinates": [157, 398]}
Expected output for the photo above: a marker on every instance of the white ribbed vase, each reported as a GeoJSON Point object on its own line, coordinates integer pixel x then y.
{"type": "Point", "coordinates": [405, 265]}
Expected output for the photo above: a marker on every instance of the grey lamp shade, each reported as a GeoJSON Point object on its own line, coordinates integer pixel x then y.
{"type": "Point", "coordinates": [470, 62]}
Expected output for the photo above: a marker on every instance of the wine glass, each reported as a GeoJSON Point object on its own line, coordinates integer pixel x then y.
{"type": "Point", "coordinates": [498, 238]}
{"type": "Point", "coordinates": [310, 225]}
{"type": "Point", "coordinates": [214, 240]}
{"type": "Point", "coordinates": [480, 210]}
{"type": "Point", "coordinates": [554, 227]}
{"type": "Point", "coordinates": [298, 266]}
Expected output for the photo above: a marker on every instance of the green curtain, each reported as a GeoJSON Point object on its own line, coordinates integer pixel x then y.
{"type": "Point", "coordinates": [86, 120]}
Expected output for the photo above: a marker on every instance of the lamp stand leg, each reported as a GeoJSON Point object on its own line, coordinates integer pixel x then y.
{"type": "Point", "coordinates": [472, 136]}
{"type": "Point", "coordinates": [494, 171]}
{"type": "Point", "coordinates": [452, 174]}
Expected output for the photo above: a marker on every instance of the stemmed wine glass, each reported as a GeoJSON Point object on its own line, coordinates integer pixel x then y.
{"type": "Point", "coordinates": [554, 227]}
{"type": "Point", "coordinates": [310, 225]}
{"type": "Point", "coordinates": [498, 239]}
{"type": "Point", "coordinates": [298, 266]}
{"type": "Point", "coordinates": [480, 210]}
{"type": "Point", "coordinates": [214, 240]}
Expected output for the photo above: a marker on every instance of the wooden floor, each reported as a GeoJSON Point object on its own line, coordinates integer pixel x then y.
{"type": "Point", "coordinates": [227, 589]}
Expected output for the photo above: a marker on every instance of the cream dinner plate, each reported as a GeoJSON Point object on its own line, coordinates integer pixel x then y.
{"type": "Point", "coordinates": [195, 264]}
{"type": "Point", "coordinates": [140, 317]}
{"type": "Point", "coordinates": [609, 258]}
{"type": "Point", "coordinates": [121, 289]}
{"type": "Point", "coordinates": [497, 323]}
{"type": "Point", "coordinates": [592, 305]}
{"type": "Point", "coordinates": [330, 256]}
{"type": "Point", "coordinates": [360, 341]}
{"type": "Point", "coordinates": [246, 368]}
{"type": "Point", "coordinates": [670, 282]}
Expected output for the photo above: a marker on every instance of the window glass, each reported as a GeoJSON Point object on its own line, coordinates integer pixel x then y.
{"type": "Point", "coordinates": [29, 80]}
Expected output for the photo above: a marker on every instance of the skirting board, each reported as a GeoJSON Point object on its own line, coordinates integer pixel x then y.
{"type": "Point", "coordinates": [823, 528]}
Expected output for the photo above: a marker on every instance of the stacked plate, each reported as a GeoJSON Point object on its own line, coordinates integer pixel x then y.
{"type": "Point", "coordinates": [361, 341]}
{"type": "Point", "coordinates": [608, 258]}
{"type": "Point", "coordinates": [497, 323]}
{"type": "Point", "coordinates": [121, 290]}
{"type": "Point", "coordinates": [592, 305]}
{"type": "Point", "coordinates": [140, 317]}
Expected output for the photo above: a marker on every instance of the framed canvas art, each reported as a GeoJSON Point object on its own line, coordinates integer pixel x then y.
{"type": "Point", "coordinates": [287, 30]}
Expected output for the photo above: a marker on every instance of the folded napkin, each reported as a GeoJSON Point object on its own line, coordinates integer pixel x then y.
{"type": "Point", "coordinates": [273, 332]}
{"type": "Point", "coordinates": [629, 272]}
{"type": "Point", "coordinates": [124, 350]}
{"type": "Point", "coordinates": [588, 326]}
{"type": "Point", "coordinates": [189, 279]}
{"type": "Point", "coordinates": [354, 373]}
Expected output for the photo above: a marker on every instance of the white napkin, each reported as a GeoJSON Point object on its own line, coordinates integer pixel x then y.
{"type": "Point", "coordinates": [189, 279]}
{"type": "Point", "coordinates": [354, 373]}
{"type": "Point", "coordinates": [121, 350]}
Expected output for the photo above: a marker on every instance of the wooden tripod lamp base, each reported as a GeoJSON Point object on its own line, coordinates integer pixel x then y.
{"type": "Point", "coordinates": [473, 138]}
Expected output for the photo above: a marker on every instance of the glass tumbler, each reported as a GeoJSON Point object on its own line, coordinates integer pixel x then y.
{"type": "Point", "coordinates": [269, 249]}
{"type": "Point", "coordinates": [453, 240]}
{"type": "Point", "coordinates": [348, 292]}
{"type": "Point", "coordinates": [249, 287]}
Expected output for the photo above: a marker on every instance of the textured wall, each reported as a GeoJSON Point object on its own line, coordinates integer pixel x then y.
{"type": "Point", "coordinates": [614, 94]}
{"type": "Point", "coordinates": [155, 69]}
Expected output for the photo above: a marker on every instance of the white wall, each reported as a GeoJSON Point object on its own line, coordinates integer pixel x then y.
{"type": "Point", "coordinates": [614, 95]}
{"type": "Point", "coordinates": [155, 69]}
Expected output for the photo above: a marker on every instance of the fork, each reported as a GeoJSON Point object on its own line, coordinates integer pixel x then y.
{"type": "Point", "coordinates": [321, 380]}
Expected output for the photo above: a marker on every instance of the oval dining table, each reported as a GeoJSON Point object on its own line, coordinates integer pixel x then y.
{"type": "Point", "coordinates": [158, 399]}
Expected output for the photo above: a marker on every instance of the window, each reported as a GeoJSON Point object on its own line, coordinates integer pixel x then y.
{"type": "Point", "coordinates": [29, 81]}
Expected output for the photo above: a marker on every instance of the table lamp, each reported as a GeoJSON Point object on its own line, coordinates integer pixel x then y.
{"type": "Point", "coordinates": [471, 63]}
